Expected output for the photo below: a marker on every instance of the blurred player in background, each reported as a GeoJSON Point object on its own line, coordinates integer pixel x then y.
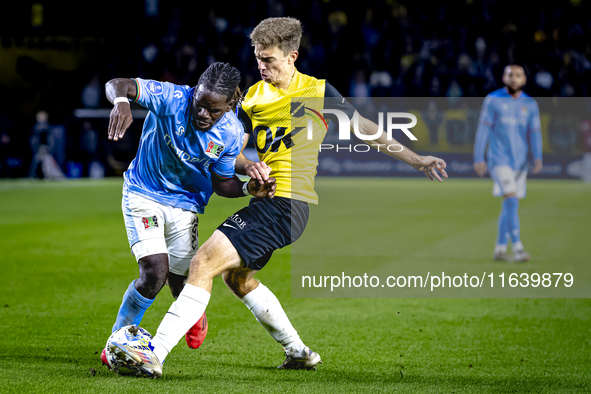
{"type": "Point", "coordinates": [189, 146]}
{"type": "Point", "coordinates": [510, 125]}
{"type": "Point", "coordinates": [45, 142]}
{"type": "Point", "coordinates": [244, 243]}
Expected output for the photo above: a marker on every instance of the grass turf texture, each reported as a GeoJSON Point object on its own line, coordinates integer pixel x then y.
{"type": "Point", "coordinates": [66, 264]}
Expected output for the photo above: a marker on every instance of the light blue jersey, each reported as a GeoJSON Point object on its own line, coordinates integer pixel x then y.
{"type": "Point", "coordinates": [511, 127]}
{"type": "Point", "coordinates": [174, 161]}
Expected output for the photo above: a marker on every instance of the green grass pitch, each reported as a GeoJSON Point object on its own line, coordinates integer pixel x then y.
{"type": "Point", "coordinates": [66, 263]}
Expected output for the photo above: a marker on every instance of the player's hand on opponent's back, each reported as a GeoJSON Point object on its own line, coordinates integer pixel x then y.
{"type": "Point", "coordinates": [430, 165]}
{"type": "Point", "coordinates": [119, 121]}
{"type": "Point", "coordinates": [480, 168]}
{"type": "Point", "coordinates": [258, 170]}
{"type": "Point", "coordinates": [266, 189]}
{"type": "Point", "coordinates": [537, 166]}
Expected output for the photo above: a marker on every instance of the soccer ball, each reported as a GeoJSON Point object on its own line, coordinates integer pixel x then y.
{"type": "Point", "coordinates": [131, 336]}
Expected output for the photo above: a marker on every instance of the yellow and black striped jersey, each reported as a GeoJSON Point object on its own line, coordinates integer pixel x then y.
{"type": "Point", "coordinates": [287, 127]}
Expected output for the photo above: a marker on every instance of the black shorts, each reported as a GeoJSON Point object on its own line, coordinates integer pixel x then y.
{"type": "Point", "coordinates": [264, 226]}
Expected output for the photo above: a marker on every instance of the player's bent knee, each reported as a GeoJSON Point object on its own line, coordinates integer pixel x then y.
{"type": "Point", "coordinates": [154, 267]}
{"type": "Point", "coordinates": [153, 274]}
{"type": "Point", "coordinates": [240, 281]}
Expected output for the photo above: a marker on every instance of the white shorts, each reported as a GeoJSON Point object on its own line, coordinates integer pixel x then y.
{"type": "Point", "coordinates": [508, 180]}
{"type": "Point", "coordinates": [154, 228]}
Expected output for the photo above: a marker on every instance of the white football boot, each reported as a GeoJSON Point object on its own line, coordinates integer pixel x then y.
{"type": "Point", "coordinates": [521, 256]}
{"type": "Point", "coordinates": [309, 360]}
{"type": "Point", "coordinates": [502, 256]}
{"type": "Point", "coordinates": [141, 359]}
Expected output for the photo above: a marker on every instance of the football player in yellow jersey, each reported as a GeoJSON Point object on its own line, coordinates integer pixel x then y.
{"type": "Point", "coordinates": [244, 243]}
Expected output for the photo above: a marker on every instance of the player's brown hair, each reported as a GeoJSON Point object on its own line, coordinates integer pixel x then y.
{"type": "Point", "coordinates": [284, 33]}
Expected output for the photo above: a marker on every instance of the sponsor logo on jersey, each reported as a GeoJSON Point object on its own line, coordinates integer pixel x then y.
{"type": "Point", "coordinates": [509, 120]}
{"type": "Point", "coordinates": [214, 150]}
{"type": "Point", "coordinates": [184, 156]}
{"type": "Point", "coordinates": [523, 110]}
{"type": "Point", "coordinates": [155, 87]}
{"type": "Point", "coordinates": [150, 223]}
{"type": "Point", "coordinates": [180, 131]}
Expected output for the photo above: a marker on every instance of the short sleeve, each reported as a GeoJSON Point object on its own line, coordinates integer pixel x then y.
{"type": "Point", "coordinates": [244, 119]}
{"type": "Point", "coordinates": [225, 166]}
{"type": "Point", "coordinates": [483, 132]}
{"type": "Point", "coordinates": [534, 121]}
{"type": "Point", "coordinates": [334, 100]}
{"type": "Point", "coordinates": [161, 98]}
{"type": "Point", "coordinates": [487, 113]}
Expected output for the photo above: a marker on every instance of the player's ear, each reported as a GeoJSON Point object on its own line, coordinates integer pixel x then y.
{"type": "Point", "coordinates": [293, 55]}
{"type": "Point", "coordinates": [229, 105]}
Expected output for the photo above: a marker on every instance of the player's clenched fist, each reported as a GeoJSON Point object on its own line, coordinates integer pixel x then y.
{"type": "Point", "coordinates": [265, 189]}
{"type": "Point", "coordinates": [120, 120]}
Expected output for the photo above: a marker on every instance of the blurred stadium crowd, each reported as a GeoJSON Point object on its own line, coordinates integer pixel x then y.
{"type": "Point", "coordinates": [58, 61]}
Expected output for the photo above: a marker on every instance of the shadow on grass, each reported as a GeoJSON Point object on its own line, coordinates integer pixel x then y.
{"type": "Point", "coordinates": [504, 383]}
{"type": "Point", "coordinates": [231, 374]}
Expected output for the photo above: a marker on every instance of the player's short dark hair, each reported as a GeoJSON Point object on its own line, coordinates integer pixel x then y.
{"type": "Point", "coordinates": [523, 67]}
{"type": "Point", "coordinates": [284, 33]}
{"type": "Point", "coordinates": [222, 78]}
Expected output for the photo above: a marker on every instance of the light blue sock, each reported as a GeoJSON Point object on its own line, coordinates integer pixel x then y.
{"type": "Point", "coordinates": [503, 225]}
{"type": "Point", "coordinates": [132, 309]}
{"type": "Point", "coordinates": [512, 205]}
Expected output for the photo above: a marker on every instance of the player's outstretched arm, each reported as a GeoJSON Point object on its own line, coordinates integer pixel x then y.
{"type": "Point", "coordinates": [432, 166]}
{"type": "Point", "coordinates": [119, 91]}
{"type": "Point", "coordinates": [234, 187]}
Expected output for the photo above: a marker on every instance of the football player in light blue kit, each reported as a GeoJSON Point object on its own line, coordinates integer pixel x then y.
{"type": "Point", "coordinates": [510, 125]}
{"type": "Point", "coordinates": [190, 143]}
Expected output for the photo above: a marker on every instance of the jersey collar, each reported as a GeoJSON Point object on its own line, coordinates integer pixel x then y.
{"type": "Point", "coordinates": [294, 81]}
{"type": "Point", "coordinates": [506, 91]}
